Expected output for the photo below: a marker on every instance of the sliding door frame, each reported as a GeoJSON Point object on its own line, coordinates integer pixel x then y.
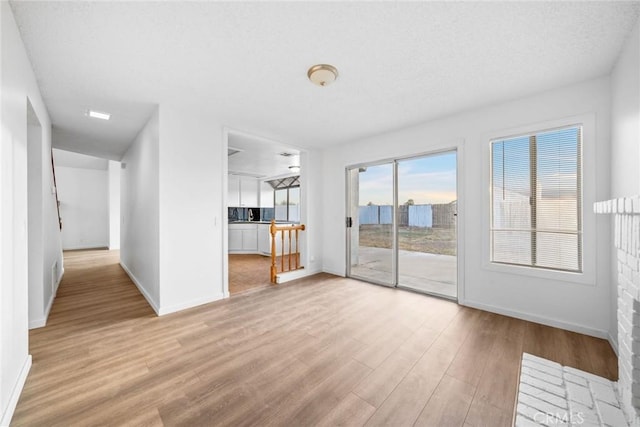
{"type": "Point", "coordinates": [394, 229]}
{"type": "Point", "coordinates": [458, 149]}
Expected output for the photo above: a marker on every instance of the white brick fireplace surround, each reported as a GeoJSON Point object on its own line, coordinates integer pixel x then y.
{"type": "Point", "coordinates": [552, 395]}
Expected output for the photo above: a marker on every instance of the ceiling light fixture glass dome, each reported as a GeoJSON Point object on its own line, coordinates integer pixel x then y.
{"type": "Point", "coordinates": [322, 74]}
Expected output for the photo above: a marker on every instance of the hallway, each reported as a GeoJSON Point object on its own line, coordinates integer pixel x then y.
{"type": "Point", "coordinates": [318, 351]}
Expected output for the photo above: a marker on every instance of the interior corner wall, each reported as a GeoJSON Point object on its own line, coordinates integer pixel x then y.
{"type": "Point", "coordinates": [575, 306]}
{"type": "Point", "coordinates": [139, 204]}
{"type": "Point", "coordinates": [114, 205]}
{"type": "Point", "coordinates": [311, 202]}
{"type": "Point", "coordinates": [625, 119]}
{"type": "Point", "coordinates": [625, 139]}
{"type": "Point", "coordinates": [191, 208]}
{"type": "Point", "coordinates": [84, 207]}
{"type": "Point", "coordinates": [18, 84]}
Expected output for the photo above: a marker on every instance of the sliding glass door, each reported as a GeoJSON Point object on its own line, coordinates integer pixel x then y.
{"type": "Point", "coordinates": [372, 238]}
{"type": "Point", "coordinates": [427, 212]}
{"type": "Point", "coordinates": [401, 223]}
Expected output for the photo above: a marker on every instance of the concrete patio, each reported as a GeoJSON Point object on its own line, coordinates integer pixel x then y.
{"type": "Point", "coordinates": [430, 273]}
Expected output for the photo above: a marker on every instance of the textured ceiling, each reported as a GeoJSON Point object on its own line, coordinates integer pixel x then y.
{"type": "Point", "coordinates": [260, 158]}
{"type": "Point", "coordinates": [245, 63]}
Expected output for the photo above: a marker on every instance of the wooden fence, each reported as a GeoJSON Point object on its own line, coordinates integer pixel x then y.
{"type": "Point", "coordinates": [438, 216]}
{"type": "Point", "coordinates": [444, 216]}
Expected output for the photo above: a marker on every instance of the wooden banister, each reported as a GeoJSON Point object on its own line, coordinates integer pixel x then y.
{"type": "Point", "coordinates": [55, 186]}
{"type": "Point", "coordinates": [274, 230]}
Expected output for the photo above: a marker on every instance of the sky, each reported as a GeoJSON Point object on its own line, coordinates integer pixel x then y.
{"type": "Point", "coordinates": [557, 164]}
{"type": "Point", "coordinates": [426, 180]}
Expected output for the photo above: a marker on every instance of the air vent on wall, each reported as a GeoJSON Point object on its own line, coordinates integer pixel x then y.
{"type": "Point", "coordinates": [252, 175]}
{"type": "Point", "coordinates": [231, 151]}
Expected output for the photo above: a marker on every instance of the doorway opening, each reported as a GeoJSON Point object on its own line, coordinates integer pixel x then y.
{"type": "Point", "coordinates": [263, 184]}
{"type": "Point", "coordinates": [402, 223]}
{"type": "Point", "coordinates": [89, 194]}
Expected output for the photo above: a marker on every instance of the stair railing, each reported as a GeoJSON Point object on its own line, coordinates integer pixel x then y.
{"type": "Point", "coordinates": [292, 233]}
{"type": "Point", "coordinates": [55, 186]}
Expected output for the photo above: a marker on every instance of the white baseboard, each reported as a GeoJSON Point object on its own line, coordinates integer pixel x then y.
{"type": "Point", "coordinates": [84, 247]}
{"type": "Point", "coordinates": [159, 309]}
{"type": "Point", "coordinates": [154, 305]}
{"type": "Point", "coordinates": [539, 319]}
{"type": "Point", "coordinates": [335, 273]}
{"type": "Point", "coordinates": [55, 288]}
{"type": "Point", "coordinates": [294, 275]}
{"type": "Point", "coordinates": [7, 413]}
{"type": "Point", "coordinates": [189, 304]}
{"type": "Point", "coordinates": [40, 323]}
{"type": "Point", "coordinates": [613, 342]}
{"type": "Point", "coordinates": [37, 323]}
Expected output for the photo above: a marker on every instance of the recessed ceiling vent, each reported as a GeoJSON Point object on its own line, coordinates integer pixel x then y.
{"type": "Point", "coordinates": [232, 151]}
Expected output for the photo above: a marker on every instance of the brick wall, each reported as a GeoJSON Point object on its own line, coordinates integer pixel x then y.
{"type": "Point", "coordinates": [627, 243]}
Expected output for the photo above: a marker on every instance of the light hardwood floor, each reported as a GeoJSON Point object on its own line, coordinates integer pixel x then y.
{"type": "Point", "coordinates": [248, 273]}
{"type": "Point", "coordinates": [320, 351]}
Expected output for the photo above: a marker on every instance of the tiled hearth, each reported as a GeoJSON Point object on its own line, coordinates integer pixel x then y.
{"type": "Point", "coordinates": [553, 395]}
{"type": "Point", "coordinates": [550, 394]}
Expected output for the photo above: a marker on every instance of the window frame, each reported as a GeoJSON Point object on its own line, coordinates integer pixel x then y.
{"type": "Point", "coordinates": [533, 177]}
{"type": "Point", "coordinates": [288, 203]}
{"type": "Point", "coordinates": [588, 186]}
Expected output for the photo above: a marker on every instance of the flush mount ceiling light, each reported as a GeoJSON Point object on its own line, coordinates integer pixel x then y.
{"type": "Point", "coordinates": [294, 168]}
{"type": "Point", "coordinates": [322, 74]}
{"type": "Point", "coordinates": [98, 115]}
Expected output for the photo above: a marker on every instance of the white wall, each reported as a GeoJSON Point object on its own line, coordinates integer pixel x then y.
{"type": "Point", "coordinates": [191, 209]}
{"type": "Point", "coordinates": [17, 84]}
{"type": "Point", "coordinates": [139, 203]}
{"type": "Point", "coordinates": [572, 305]}
{"type": "Point", "coordinates": [625, 139]}
{"type": "Point", "coordinates": [84, 207]}
{"type": "Point", "coordinates": [114, 205]}
{"type": "Point", "coordinates": [625, 119]}
{"type": "Point", "coordinates": [311, 203]}
{"type": "Point", "coordinates": [35, 218]}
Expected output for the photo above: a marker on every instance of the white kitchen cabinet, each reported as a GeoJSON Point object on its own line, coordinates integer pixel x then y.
{"type": "Point", "coordinates": [256, 238]}
{"type": "Point", "coordinates": [243, 192]}
{"type": "Point", "coordinates": [235, 239]}
{"type": "Point", "coordinates": [264, 239]}
{"type": "Point", "coordinates": [234, 191]}
{"type": "Point", "coordinates": [250, 240]}
{"type": "Point", "coordinates": [266, 195]}
{"type": "Point", "coordinates": [248, 192]}
{"type": "Point", "coordinates": [243, 238]}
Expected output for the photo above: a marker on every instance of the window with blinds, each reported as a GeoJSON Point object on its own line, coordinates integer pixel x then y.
{"type": "Point", "coordinates": [536, 200]}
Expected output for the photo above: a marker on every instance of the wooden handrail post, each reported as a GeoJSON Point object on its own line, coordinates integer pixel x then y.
{"type": "Point", "coordinates": [273, 231]}
{"type": "Point", "coordinates": [282, 250]}
{"type": "Point", "coordinates": [297, 251]}
{"type": "Point", "coordinates": [289, 230]}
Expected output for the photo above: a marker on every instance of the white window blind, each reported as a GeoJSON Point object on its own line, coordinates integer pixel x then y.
{"type": "Point", "coordinates": [536, 200]}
